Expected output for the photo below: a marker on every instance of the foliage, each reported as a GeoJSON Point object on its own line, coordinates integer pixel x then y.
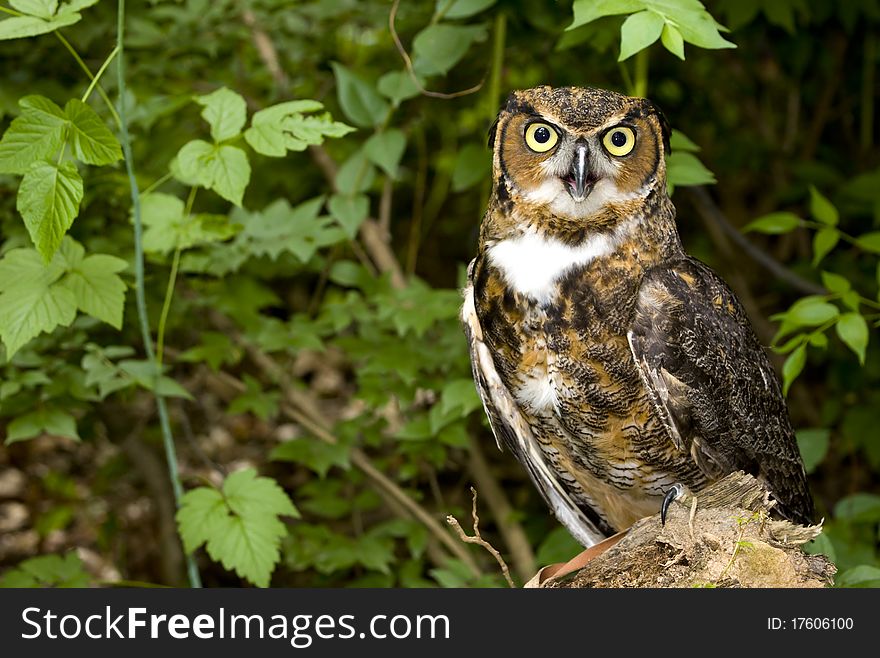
{"type": "Point", "coordinates": [309, 198]}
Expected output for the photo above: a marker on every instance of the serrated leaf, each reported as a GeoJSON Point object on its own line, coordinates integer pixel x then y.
{"type": "Point", "coordinates": [852, 329]}
{"type": "Point", "coordinates": [638, 32]}
{"type": "Point", "coordinates": [48, 200]}
{"type": "Point", "coordinates": [240, 527]}
{"type": "Point", "coordinates": [316, 455]}
{"type": "Point", "coordinates": [47, 419]}
{"type": "Point", "coordinates": [48, 571]}
{"type": "Point", "coordinates": [263, 404]}
{"type": "Point", "coordinates": [672, 40]}
{"type": "Point", "coordinates": [385, 149]}
{"type": "Point", "coordinates": [813, 445]}
{"type": "Point", "coordinates": [283, 127]}
{"type": "Point", "coordinates": [774, 223]}
{"type": "Point", "coordinates": [36, 134]}
{"type": "Point", "coordinates": [90, 139]}
{"type": "Point", "coordinates": [222, 168]}
{"type": "Point", "coordinates": [360, 102]}
{"type": "Point", "coordinates": [350, 212]}
{"type": "Point", "coordinates": [97, 288]}
{"type": "Point", "coordinates": [215, 349]}
{"type": "Point", "coordinates": [823, 242]}
{"type": "Point", "coordinates": [19, 27]}
{"type": "Point", "coordinates": [439, 47]}
{"type": "Point", "coordinates": [225, 111]}
{"type": "Point", "coordinates": [822, 209]}
{"type": "Point", "coordinates": [792, 367]}
{"type": "Point", "coordinates": [30, 300]}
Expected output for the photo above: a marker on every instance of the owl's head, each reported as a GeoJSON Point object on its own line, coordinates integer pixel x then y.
{"type": "Point", "coordinates": [579, 153]}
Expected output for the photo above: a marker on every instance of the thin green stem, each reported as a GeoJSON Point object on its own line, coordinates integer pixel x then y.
{"type": "Point", "coordinates": [87, 71]}
{"type": "Point", "coordinates": [157, 183]}
{"type": "Point", "coordinates": [7, 10]}
{"type": "Point", "coordinates": [98, 75]}
{"type": "Point", "coordinates": [640, 88]}
{"type": "Point", "coordinates": [140, 294]}
{"type": "Point", "coordinates": [166, 306]}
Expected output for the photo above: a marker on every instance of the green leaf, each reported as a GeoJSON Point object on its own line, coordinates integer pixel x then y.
{"type": "Point", "coordinates": [30, 300]}
{"type": "Point", "coordinates": [360, 102]}
{"type": "Point", "coordinates": [685, 169]}
{"type": "Point", "coordinates": [869, 241]}
{"type": "Point", "coordinates": [638, 32]}
{"type": "Point", "coordinates": [811, 312]}
{"type": "Point", "coordinates": [792, 367]}
{"type": "Point", "coordinates": [48, 571]}
{"type": "Point", "coordinates": [48, 200]}
{"type": "Point", "coordinates": [459, 397]}
{"type": "Point", "coordinates": [35, 135]}
{"type": "Point", "coordinates": [823, 242]}
{"type": "Point", "coordinates": [222, 168]}
{"type": "Point", "coordinates": [97, 288]}
{"type": "Point", "coordinates": [473, 163]}
{"type": "Point", "coordinates": [385, 149]}
{"type": "Point", "coordinates": [239, 526]}
{"type": "Point", "coordinates": [672, 40]}
{"type": "Point", "coordinates": [263, 404]}
{"type": "Point", "coordinates": [586, 11]}
{"type": "Point", "coordinates": [774, 223]}
{"type": "Point", "coordinates": [355, 174]}
{"type": "Point", "coordinates": [215, 349]}
{"type": "Point", "coordinates": [167, 228]}
{"type": "Point", "coordinates": [557, 546]}
{"type": "Point", "coordinates": [439, 47]}
{"type": "Point", "coordinates": [225, 111]}
{"type": "Point", "coordinates": [858, 508]}
{"type": "Point", "coordinates": [90, 139]}
{"type": "Point", "coordinates": [397, 86]}
{"type": "Point", "coordinates": [813, 445]}
{"type": "Point", "coordinates": [350, 212]}
{"type": "Point", "coordinates": [462, 8]}
{"type": "Point", "coordinates": [41, 8]}
{"type": "Point", "coordinates": [681, 142]}
{"type": "Point", "coordinates": [853, 331]}
{"type": "Point", "coordinates": [283, 127]}
{"type": "Point", "coordinates": [47, 419]}
{"type": "Point", "coordinates": [864, 575]}
{"type": "Point", "coordinates": [317, 455]}
{"type": "Point", "coordinates": [19, 27]}
{"type": "Point", "coordinates": [835, 283]}
{"type": "Point", "coordinates": [299, 231]}
{"type": "Point", "coordinates": [821, 208]}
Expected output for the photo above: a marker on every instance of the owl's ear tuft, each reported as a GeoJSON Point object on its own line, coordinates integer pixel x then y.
{"type": "Point", "coordinates": [665, 128]}
{"type": "Point", "coordinates": [492, 130]}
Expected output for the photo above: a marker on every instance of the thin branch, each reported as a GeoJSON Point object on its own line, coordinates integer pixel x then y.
{"type": "Point", "coordinates": [409, 65]}
{"type": "Point", "coordinates": [521, 554]}
{"type": "Point", "coordinates": [266, 50]}
{"type": "Point", "coordinates": [478, 538]}
{"type": "Point", "coordinates": [712, 213]}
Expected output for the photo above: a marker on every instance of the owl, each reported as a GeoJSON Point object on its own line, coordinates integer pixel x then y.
{"type": "Point", "coordinates": [614, 366]}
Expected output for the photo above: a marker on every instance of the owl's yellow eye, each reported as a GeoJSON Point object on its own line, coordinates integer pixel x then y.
{"type": "Point", "coordinates": [541, 137]}
{"type": "Point", "coordinates": [619, 141]}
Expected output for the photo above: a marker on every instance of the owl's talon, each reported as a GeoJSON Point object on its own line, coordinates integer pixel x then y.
{"type": "Point", "coordinates": [674, 492]}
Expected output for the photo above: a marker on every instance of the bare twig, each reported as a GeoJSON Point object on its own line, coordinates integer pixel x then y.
{"type": "Point", "coordinates": [409, 65]}
{"type": "Point", "coordinates": [478, 539]}
{"type": "Point", "coordinates": [521, 554]}
{"type": "Point", "coordinates": [266, 50]}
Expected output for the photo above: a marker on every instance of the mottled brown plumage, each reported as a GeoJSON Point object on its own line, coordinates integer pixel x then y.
{"type": "Point", "coordinates": [611, 363]}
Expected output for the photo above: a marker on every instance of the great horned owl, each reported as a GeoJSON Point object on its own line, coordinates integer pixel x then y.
{"type": "Point", "coordinates": [611, 363]}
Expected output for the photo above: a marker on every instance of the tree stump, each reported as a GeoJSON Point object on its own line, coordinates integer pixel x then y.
{"type": "Point", "coordinates": [726, 536]}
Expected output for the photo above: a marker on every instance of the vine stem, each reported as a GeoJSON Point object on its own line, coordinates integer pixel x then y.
{"type": "Point", "coordinates": [140, 294]}
{"type": "Point", "coordinates": [90, 76]}
{"type": "Point", "coordinates": [100, 72]}
{"type": "Point", "coordinates": [172, 282]}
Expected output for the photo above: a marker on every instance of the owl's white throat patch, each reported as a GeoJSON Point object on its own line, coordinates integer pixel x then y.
{"type": "Point", "coordinates": [532, 264]}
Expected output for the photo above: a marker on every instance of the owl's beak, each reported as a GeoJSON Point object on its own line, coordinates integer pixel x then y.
{"type": "Point", "coordinates": [580, 179]}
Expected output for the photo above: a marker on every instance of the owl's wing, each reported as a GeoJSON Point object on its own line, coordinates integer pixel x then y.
{"type": "Point", "coordinates": [712, 384]}
{"type": "Point", "coordinates": [513, 431]}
